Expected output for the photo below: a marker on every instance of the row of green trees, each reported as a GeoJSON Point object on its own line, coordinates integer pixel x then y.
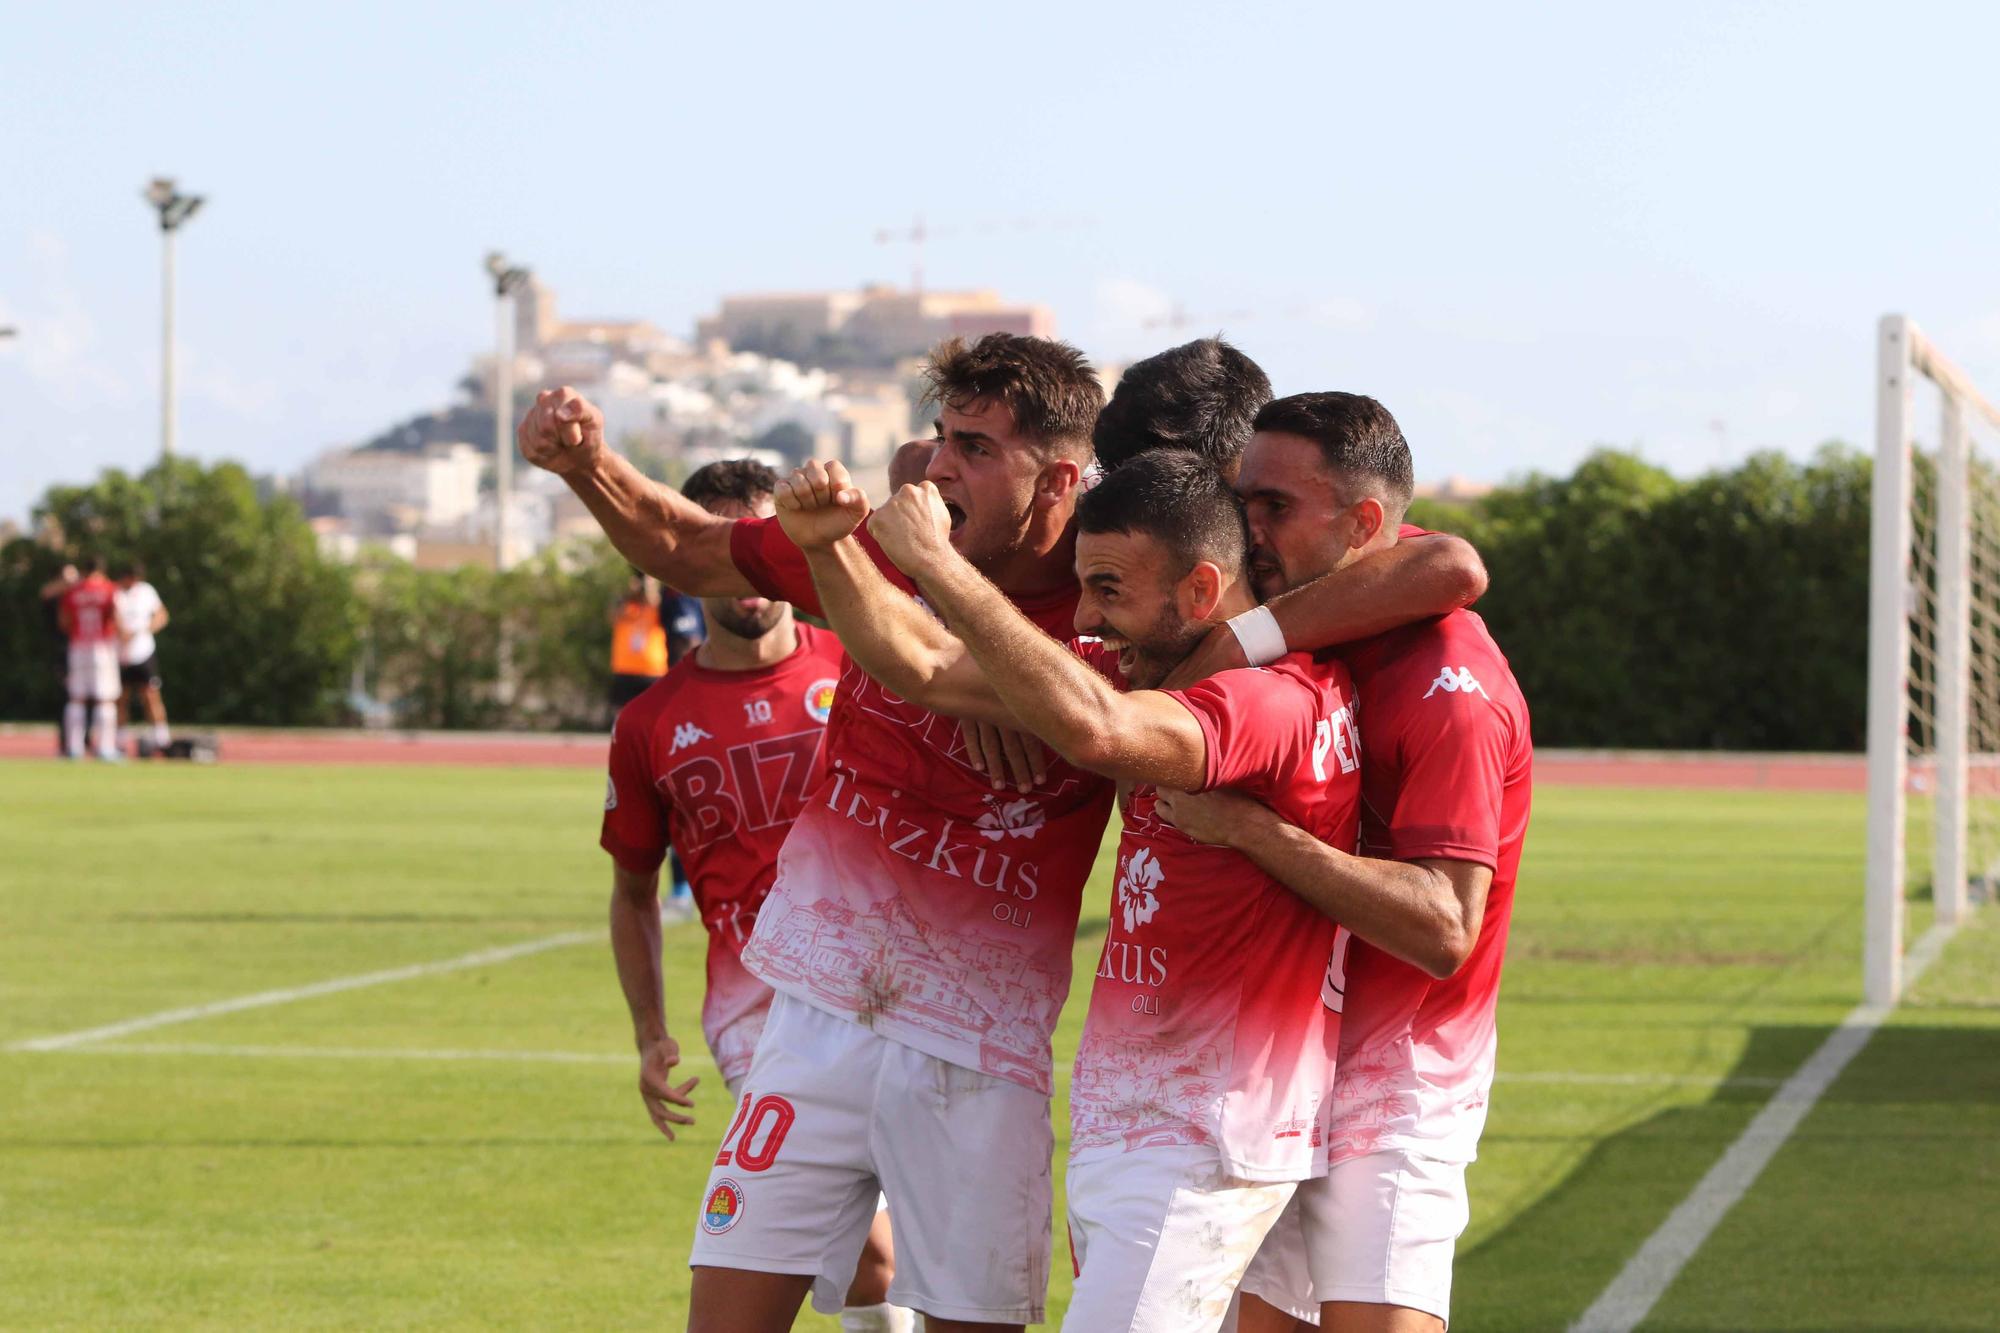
{"type": "Point", "coordinates": [1637, 609]}
{"type": "Point", "coordinates": [265, 631]}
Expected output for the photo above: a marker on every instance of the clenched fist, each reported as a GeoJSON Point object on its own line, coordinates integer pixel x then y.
{"type": "Point", "coordinates": [562, 432]}
{"type": "Point", "coordinates": [914, 528]}
{"type": "Point", "coordinates": [819, 504]}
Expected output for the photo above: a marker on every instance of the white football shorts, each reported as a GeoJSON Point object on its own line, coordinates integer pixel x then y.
{"type": "Point", "coordinates": [1160, 1238]}
{"type": "Point", "coordinates": [831, 1119]}
{"type": "Point", "coordinates": [1378, 1229]}
{"type": "Point", "coordinates": [93, 672]}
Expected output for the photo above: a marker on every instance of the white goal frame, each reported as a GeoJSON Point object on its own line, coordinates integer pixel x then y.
{"type": "Point", "coordinates": [1904, 355]}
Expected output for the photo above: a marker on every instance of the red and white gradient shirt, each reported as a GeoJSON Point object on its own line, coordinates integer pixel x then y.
{"type": "Point", "coordinates": [1448, 776]}
{"type": "Point", "coordinates": [1212, 1018]}
{"type": "Point", "coordinates": [911, 897]}
{"type": "Point", "coordinates": [719, 763]}
{"type": "Point", "coordinates": [93, 611]}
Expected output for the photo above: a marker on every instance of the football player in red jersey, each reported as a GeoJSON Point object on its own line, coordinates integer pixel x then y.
{"type": "Point", "coordinates": [1201, 1082]}
{"type": "Point", "coordinates": [895, 977]}
{"type": "Point", "coordinates": [716, 759]}
{"type": "Point", "coordinates": [1446, 780]}
{"type": "Point", "coordinates": [89, 616]}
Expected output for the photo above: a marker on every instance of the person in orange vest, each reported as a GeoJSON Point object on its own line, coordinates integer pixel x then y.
{"type": "Point", "coordinates": [642, 648]}
{"type": "Point", "coordinates": [638, 644]}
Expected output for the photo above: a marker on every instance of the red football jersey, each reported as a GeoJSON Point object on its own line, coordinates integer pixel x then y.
{"type": "Point", "coordinates": [911, 896]}
{"type": "Point", "coordinates": [1447, 775]}
{"type": "Point", "coordinates": [1213, 1017]}
{"type": "Point", "coordinates": [93, 610]}
{"type": "Point", "coordinates": [719, 763]}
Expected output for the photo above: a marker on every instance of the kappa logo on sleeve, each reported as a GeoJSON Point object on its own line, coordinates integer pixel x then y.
{"type": "Point", "coordinates": [1456, 681]}
{"type": "Point", "coordinates": [610, 793]}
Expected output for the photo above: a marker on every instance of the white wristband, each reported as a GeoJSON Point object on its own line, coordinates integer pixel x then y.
{"type": "Point", "coordinates": [1257, 631]}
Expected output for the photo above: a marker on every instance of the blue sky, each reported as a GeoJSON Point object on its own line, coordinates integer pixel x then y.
{"type": "Point", "coordinates": [1528, 229]}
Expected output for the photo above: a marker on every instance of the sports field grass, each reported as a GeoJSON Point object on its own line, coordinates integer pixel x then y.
{"type": "Point", "coordinates": [466, 1147]}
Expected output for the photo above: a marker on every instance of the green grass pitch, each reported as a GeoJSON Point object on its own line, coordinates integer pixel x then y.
{"type": "Point", "coordinates": [326, 1163]}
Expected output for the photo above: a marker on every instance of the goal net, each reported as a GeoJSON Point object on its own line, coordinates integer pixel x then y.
{"type": "Point", "coordinates": [1933, 650]}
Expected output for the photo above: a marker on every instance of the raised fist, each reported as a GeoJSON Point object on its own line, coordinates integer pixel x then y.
{"type": "Point", "coordinates": [819, 504]}
{"type": "Point", "coordinates": [914, 528]}
{"type": "Point", "coordinates": [562, 432]}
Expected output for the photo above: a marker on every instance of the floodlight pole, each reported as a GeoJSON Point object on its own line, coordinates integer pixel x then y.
{"type": "Point", "coordinates": [506, 280]}
{"type": "Point", "coordinates": [174, 209]}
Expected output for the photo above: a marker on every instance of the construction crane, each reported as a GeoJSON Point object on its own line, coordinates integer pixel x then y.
{"type": "Point", "coordinates": [918, 233]}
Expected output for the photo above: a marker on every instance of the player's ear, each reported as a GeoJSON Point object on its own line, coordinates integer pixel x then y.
{"type": "Point", "coordinates": [1056, 482]}
{"type": "Point", "coordinates": [1369, 516]}
{"type": "Point", "coordinates": [1200, 590]}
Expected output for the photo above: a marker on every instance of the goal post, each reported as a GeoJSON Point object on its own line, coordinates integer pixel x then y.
{"type": "Point", "coordinates": [1933, 723]}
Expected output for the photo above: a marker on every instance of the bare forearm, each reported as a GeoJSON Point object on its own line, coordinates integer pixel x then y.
{"type": "Point", "coordinates": [658, 529]}
{"type": "Point", "coordinates": [635, 946]}
{"type": "Point", "coordinates": [1412, 580]}
{"type": "Point", "coordinates": [1041, 683]}
{"type": "Point", "coordinates": [1400, 907]}
{"type": "Point", "coordinates": [894, 639]}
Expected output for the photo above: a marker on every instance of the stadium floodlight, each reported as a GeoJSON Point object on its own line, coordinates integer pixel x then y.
{"type": "Point", "coordinates": [174, 209]}
{"type": "Point", "coordinates": [1933, 649]}
{"type": "Point", "coordinates": [507, 279]}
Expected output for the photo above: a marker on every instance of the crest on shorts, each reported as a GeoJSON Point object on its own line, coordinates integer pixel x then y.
{"type": "Point", "coordinates": [723, 1209]}
{"type": "Point", "coordinates": [819, 699]}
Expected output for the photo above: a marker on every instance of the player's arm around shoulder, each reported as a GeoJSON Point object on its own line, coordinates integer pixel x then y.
{"type": "Point", "coordinates": [654, 526]}
{"type": "Point", "coordinates": [1421, 576]}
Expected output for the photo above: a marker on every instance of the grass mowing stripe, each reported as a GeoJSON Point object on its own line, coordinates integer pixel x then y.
{"type": "Point", "coordinates": [1647, 1275]}
{"type": "Point", "coordinates": [344, 1053]}
{"type": "Point", "coordinates": [1555, 1077]}
{"type": "Point", "coordinates": [263, 999]}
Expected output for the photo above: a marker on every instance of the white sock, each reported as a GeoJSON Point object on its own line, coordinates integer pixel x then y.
{"type": "Point", "coordinates": [73, 729]}
{"type": "Point", "coordinates": [107, 729]}
{"type": "Point", "coordinates": [884, 1318]}
{"type": "Point", "coordinates": [159, 735]}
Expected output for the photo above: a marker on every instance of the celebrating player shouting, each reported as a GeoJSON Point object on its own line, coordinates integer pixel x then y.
{"type": "Point", "coordinates": [918, 934]}
{"type": "Point", "coordinates": [1446, 778]}
{"type": "Point", "coordinates": [717, 758]}
{"type": "Point", "coordinates": [1207, 1053]}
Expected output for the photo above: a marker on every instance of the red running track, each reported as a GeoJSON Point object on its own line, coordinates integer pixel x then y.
{"type": "Point", "coordinates": [1589, 768]}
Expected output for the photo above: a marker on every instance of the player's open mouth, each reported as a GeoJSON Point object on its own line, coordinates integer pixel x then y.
{"type": "Point", "coordinates": [1128, 656]}
{"type": "Point", "coordinates": [957, 515]}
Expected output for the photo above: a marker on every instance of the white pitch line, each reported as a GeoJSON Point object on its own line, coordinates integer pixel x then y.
{"type": "Point", "coordinates": [345, 1053]}
{"type": "Point", "coordinates": [1647, 1274]}
{"type": "Point", "coordinates": [263, 999]}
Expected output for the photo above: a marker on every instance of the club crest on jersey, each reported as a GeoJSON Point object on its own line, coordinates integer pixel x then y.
{"type": "Point", "coordinates": [1459, 681]}
{"type": "Point", "coordinates": [819, 699]}
{"type": "Point", "coordinates": [1139, 879]}
{"type": "Point", "coordinates": [723, 1208]}
{"type": "Point", "coordinates": [686, 734]}
{"type": "Point", "coordinates": [1011, 819]}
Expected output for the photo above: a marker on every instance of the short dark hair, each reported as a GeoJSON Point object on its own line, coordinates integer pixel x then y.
{"type": "Point", "coordinates": [1201, 395]}
{"type": "Point", "coordinates": [1049, 386]}
{"type": "Point", "coordinates": [128, 569]}
{"type": "Point", "coordinates": [92, 564]}
{"type": "Point", "coordinates": [1356, 436]}
{"type": "Point", "coordinates": [742, 480]}
{"type": "Point", "coordinates": [1176, 497]}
